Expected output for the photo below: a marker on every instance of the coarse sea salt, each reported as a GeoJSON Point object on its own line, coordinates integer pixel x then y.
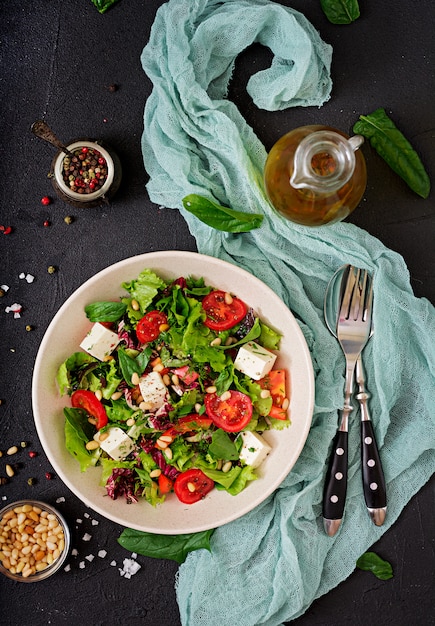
{"type": "Point", "coordinates": [61, 499]}
{"type": "Point", "coordinates": [90, 558]}
{"type": "Point", "coordinates": [102, 554]}
{"type": "Point", "coordinates": [130, 567]}
{"type": "Point", "coordinates": [87, 537]}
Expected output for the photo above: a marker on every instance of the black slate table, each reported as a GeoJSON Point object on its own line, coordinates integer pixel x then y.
{"type": "Point", "coordinates": [58, 60]}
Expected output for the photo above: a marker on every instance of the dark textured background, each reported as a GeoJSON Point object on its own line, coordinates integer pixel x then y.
{"type": "Point", "coordinates": [57, 61]}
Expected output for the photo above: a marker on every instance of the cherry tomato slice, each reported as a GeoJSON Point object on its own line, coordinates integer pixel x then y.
{"type": "Point", "coordinates": [193, 422]}
{"type": "Point", "coordinates": [86, 400]}
{"type": "Point", "coordinates": [192, 486]}
{"type": "Point", "coordinates": [148, 328]}
{"type": "Point", "coordinates": [165, 484]}
{"type": "Point", "coordinates": [233, 414]}
{"type": "Point", "coordinates": [222, 315]}
{"type": "Point", "coordinates": [275, 382]}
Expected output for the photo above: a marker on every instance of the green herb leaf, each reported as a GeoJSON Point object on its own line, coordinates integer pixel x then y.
{"type": "Point", "coordinates": [130, 366]}
{"type": "Point", "coordinates": [222, 446]}
{"type": "Point", "coordinates": [392, 146]}
{"type": "Point", "coordinates": [220, 217]}
{"type": "Point", "coordinates": [103, 5]}
{"type": "Point", "coordinates": [173, 547]}
{"type": "Point", "coordinates": [371, 562]}
{"type": "Point", "coordinates": [340, 11]}
{"type": "Point", "coordinates": [105, 311]}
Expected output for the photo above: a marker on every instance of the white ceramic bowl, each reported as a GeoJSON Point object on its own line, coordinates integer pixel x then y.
{"type": "Point", "coordinates": [70, 325]}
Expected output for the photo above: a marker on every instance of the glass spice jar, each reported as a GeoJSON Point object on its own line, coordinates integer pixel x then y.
{"type": "Point", "coordinates": [315, 175]}
{"type": "Point", "coordinates": [88, 175]}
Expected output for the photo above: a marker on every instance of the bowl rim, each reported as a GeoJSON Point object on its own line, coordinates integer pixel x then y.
{"type": "Point", "coordinates": [57, 564]}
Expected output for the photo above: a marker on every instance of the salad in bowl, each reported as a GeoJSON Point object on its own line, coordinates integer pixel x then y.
{"type": "Point", "coordinates": [172, 390]}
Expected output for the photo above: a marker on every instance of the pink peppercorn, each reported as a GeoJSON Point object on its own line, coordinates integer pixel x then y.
{"type": "Point", "coordinates": [45, 200]}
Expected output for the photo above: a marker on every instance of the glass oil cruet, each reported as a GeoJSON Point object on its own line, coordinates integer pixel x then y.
{"type": "Point", "coordinates": [315, 175]}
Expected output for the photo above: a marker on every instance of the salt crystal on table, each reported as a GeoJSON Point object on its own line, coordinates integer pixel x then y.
{"type": "Point", "coordinates": [30, 278]}
{"type": "Point", "coordinates": [79, 521]}
{"type": "Point", "coordinates": [67, 568]}
{"type": "Point", "coordinates": [102, 554]}
{"type": "Point", "coordinates": [82, 565]}
{"type": "Point", "coordinates": [87, 537]}
{"type": "Point", "coordinates": [90, 558]}
{"type": "Point", "coordinates": [95, 522]}
{"type": "Point", "coordinates": [22, 275]}
{"type": "Point", "coordinates": [74, 552]}
{"type": "Point", "coordinates": [113, 563]}
{"type": "Point", "coordinates": [61, 499]}
{"type": "Point", "coordinates": [86, 515]}
{"type": "Point", "coordinates": [130, 567]}
{"type": "Point", "coordinates": [4, 287]}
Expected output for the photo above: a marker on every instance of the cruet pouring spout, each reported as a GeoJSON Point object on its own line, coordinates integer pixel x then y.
{"type": "Point", "coordinates": [324, 161]}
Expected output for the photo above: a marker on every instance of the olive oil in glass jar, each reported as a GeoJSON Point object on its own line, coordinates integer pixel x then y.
{"type": "Point", "coordinates": [315, 175]}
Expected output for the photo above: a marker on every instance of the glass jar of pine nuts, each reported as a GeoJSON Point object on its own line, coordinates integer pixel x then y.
{"type": "Point", "coordinates": [34, 540]}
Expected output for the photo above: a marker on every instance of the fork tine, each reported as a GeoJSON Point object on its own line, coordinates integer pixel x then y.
{"type": "Point", "coordinates": [358, 296]}
{"type": "Point", "coordinates": [347, 294]}
{"type": "Point", "coordinates": [367, 313]}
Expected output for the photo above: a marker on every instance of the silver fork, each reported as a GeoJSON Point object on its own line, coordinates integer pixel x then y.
{"type": "Point", "coordinates": [353, 332]}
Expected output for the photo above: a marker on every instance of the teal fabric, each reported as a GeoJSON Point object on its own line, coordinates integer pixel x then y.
{"type": "Point", "coordinates": [267, 567]}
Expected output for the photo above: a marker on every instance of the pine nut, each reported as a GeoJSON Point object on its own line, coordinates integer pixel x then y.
{"type": "Point", "coordinates": [166, 379]}
{"type": "Point", "coordinates": [116, 395]}
{"type": "Point", "coordinates": [191, 487]}
{"type": "Point", "coordinates": [103, 436]}
{"type": "Point", "coordinates": [166, 438]}
{"type": "Point", "coordinates": [198, 407]}
{"type": "Point", "coordinates": [285, 404]}
{"type": "Point", "coordinates": [168, 453]}
{"type": "Point", "coordinates": [211, 389]}
{"type": "Point", "coordinates": [163, 327]}
{"type": "Point", "coordinates": [92, 445]}
{"type": "Point", "coordinates": [135, 305]}
{"type": "Point", "coordinates": [99, 394]}
{"type": "Point", "coordinates": [230, 340]}
{"type": "Point", "coordinates": [9, 471]}
{"type": "Point", "coordinates": [161, 444]}
{"type": "Point", "coordinates": [175, 379]}
{"type": "Point", "coordinates": [226, 467]}
{"type": "Point", "coordinates": [92, 421]}
{"type": "Point", "coordinates": [155, 473]}
{"type": "Point", "coordinates": [135, 378]}
{"type": "Point", "coordinates": [131, 421]}
{"type": "Point", "coordinates": [159, 367]}
{"type": "Point", "coordinates": [225, 396]}
{"type": "Point", "coordinates": [216, 342]}
{"type": "Point", "coordinates": [12, 450]}
{"type": "Point", "coordinates": [265, 393]}
{"type": "Point", "coordinates": [145, 406]}
{"type": "Point", "coordinates": [228, 298]}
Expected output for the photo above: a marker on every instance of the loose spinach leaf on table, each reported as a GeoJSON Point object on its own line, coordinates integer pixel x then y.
{"type": "Point", "coordinates": [173, 547]}
{"type": "Point", "coordinates": [395, 149]}
{"type": "Point", "coordinates": [340, 11]}
{"type": "Point", "coordinates": [219, 217]}
{"type": "Point", "coordinates": [371, 562]}
{"type": "Point", "coordinates": [103, 5]}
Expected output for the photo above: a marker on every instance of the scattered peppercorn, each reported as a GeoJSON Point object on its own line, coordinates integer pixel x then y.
{"type": "Point", "coordinates": [45, 200]}
{"type": "Point", "coordinates": [32, 454]}
{"type": "Point", "coordinates": [2, 293]}
{"type": "Point", "coordinates": [48, 475]}
{"type": "Point", "coordinates": [68, 219]}
{"type": "Point", "coordinates": [24, 444]}
{"type": "Point", "coordinates": [51, 269]}
{"type": "Point", "coordinates": [3, 480]}
{"type": "Point", "coordinates": [6, 230]}
{"type": "Point", "coordinates": [85, 172]}
{"type": "Point", "coordinates": [31, 481]}
{"type": "Point", "coordinates": [29, 328]}
{"type": "Point", "coordinates": [46, 223]}
{"type": "Point", "coordinates": [113, 88]}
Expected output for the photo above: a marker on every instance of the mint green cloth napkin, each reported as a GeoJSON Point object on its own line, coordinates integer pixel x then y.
{"type": "Point", "coordinates": [268, 566]}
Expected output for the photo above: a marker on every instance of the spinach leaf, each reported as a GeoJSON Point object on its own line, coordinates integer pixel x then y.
{"type": "Point", "coordinates": [371, 562]}
{"type": "Point", "coordinates": [103, 5]}
{"type": "Point", "coordinates": [392, 146]}
{"type": "Point", "coordinates": [222, 446]}
{"type": "Point", "coordinates": [130, 366]}
{"type": "Point", "coordinates": [220, 217]}
{"type": "Point", "coordinates": [173, 547]}
{"type": "Point", "coordinates": [340, 11]}
{"type": "Point", "coordinates": [105, 311]}
{"type": "Point", "coordinates": [78, 432]}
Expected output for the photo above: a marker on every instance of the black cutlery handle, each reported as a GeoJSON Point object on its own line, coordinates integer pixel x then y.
{"type": "Point", "coordinates": [373, 476]}
{"type": "Point", "coordinates": [334, 494]}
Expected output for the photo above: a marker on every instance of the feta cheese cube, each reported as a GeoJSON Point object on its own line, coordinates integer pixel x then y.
{"type": "Point", "coordinates": [153, 390]}
{"type": "Point", "coordinates": [100, 341]}
{"type": "Point", "coordinates": [254, 449]}
{"type": "Point", "coordinates": [254, 360]}
{"type": "Point", "coordinates": [118, 444]}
